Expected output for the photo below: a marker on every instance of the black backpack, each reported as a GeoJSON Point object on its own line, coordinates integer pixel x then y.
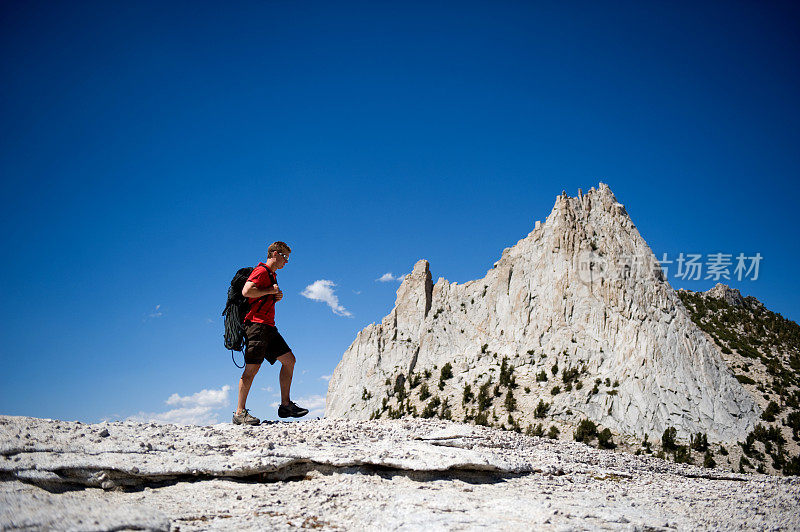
{"type": "Point", "coordinates": [236, 308]}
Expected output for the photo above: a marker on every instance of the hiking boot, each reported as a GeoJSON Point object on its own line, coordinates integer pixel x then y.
{"type": "Point", "coordinates": [245, 418]}
{"type": "Point", "coordinates": [291, 410]}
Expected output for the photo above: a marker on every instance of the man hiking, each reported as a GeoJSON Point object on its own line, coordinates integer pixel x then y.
{"type": "Point", "coordinates": [263, 339]}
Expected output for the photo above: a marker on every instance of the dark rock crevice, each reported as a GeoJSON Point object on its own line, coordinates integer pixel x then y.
{"type": "Point", "coordinates": [77, 479]}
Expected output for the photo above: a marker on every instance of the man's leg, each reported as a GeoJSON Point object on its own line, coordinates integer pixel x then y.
{"type": "Point", "coordinates": [288, 408]}
{"type": "Point", "coordinates": [245, 382]}
{"type": "Point", "coordinates": [287, 361]}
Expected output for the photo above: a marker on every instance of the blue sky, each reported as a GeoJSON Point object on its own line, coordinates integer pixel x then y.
{"type": "Point", "coordinates": [151, 149]}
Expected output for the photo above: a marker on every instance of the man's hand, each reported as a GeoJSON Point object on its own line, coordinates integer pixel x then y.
{"type": "Point", "coordinates": [278, 293]}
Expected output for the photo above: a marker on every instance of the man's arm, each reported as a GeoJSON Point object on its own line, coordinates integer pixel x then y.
{"type": "Point", "coordinates": [251, 290]}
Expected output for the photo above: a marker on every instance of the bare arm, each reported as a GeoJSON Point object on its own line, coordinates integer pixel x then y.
{"type": "Point", "coordinates": [251, 290]}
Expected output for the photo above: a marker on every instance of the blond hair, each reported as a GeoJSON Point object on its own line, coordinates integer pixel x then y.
{"type": "Point", "coordinates": [280, 247]}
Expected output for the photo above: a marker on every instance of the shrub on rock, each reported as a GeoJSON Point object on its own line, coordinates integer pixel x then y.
{"type": "Point", "coordinates": [699, 442]}
{"type": "Point", "coordinates": [537, 430]}
{"type": "Point", "coordinates": [431, 407]}
{"type": "Point", "coordinates": [668, 439]}
{"type": "Point", "coordinates": [586, 431]}
{"type": "Point", "coordinates": [445, 374]}
{"type": "Point", "coordinates": [541, 409]}
{"type": "Point", "coordinates": [605, 439]}
{"type": "Point", "coordinates": [424, 393]}
{"type": "Point", "coordinates": [468, 396]}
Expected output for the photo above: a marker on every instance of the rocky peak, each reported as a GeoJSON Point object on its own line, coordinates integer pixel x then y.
{"type": "Point", "coordinates": [580, 303]}
{"type": "Point", "coordinates": [414, 293]}
{"type": "Point", "coordinates": [731, 296]}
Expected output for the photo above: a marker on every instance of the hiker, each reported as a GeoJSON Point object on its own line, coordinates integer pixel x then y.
{"type": "Point", "coordinates": [263, 339]}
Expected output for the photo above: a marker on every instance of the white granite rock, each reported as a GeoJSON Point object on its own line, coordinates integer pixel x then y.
{"type": "Point", "coordinates": [365, 475]}
{"type": "Point", "coordinates": [582, 290]}
{"type": "Point", "coordinates": [731, 296]}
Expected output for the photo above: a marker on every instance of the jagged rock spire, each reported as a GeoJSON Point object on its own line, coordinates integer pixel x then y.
{"type": "Point", "coordinates": [582, 290]}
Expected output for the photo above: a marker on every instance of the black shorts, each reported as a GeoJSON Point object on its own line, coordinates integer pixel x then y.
{"type": "Point", "coordinates": [263, 342]}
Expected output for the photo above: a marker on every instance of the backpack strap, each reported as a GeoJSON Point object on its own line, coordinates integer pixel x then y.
{"type": "Point", "coordinates": [265, 298]}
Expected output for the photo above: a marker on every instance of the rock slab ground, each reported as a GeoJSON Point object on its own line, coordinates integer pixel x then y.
{"type": "Point", "coordinates": [373, 475]}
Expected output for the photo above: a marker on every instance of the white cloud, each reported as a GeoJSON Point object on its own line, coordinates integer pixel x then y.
{"type": "Point", "coordinates": [198, 415]}
{"type": "Point", "coordinates": [212, 398]}
{"type": "Point", "coordinates": [314, 403]}
{"type": "Point", "coordinates": [195, 409]}
{"type": "Point", "coordinates": [388, 278]}
{"type": "Point", "coordinates": [326, 377]}
{"type": "Point", "coordinates": [322, 290]}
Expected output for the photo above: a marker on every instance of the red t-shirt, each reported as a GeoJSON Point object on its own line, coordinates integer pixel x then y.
{"type": "Point", "coordinates": [262, 310]}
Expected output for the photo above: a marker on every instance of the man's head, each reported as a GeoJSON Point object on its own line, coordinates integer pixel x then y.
{"type": "Point", "coordinates": [278, 254]}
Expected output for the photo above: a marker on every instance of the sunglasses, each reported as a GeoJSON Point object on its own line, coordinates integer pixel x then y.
{"type": "Point", "coordinates": [285, 258]}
